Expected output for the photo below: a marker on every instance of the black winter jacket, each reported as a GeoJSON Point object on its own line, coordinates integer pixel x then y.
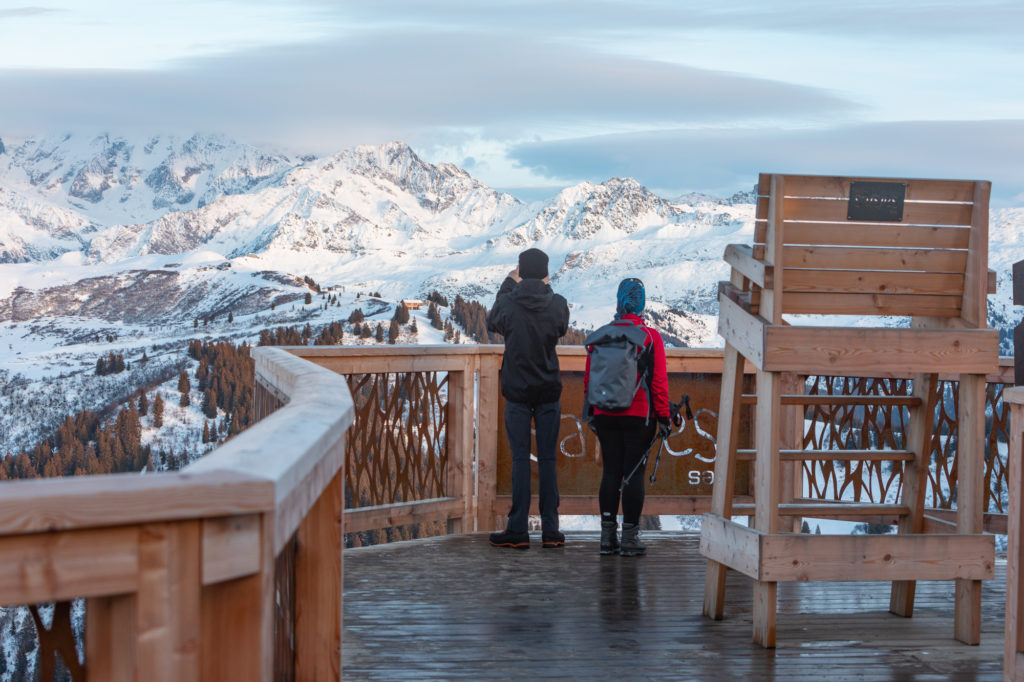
{"type": "Point", "coordinates": [532, 318]}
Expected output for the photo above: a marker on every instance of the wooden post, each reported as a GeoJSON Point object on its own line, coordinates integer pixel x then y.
{"type": "Point", "coordinates": [767, 495]}
{"type": "Point", "coordinates": [725, 472]}
{"type": "Point", "coordinates": [318, 576]}
{"type": "Point", "coordinates": [487, 442]}
{"type": "Point", "coordinates": [915, 481]}
{"type": "Point", "coordinates": [460, 442]}
{"type": "Point", "coordinates": [1013, 653]}
{"type": "Point", "coordinates": [167, 603]}
{"type": "Point", "coordinates": [109, 635]}
{"type": "Point", "coordinates": [791, 438]}
{"type": "Point", "coordinates": [970, 497]}
{"type": "Point", "coordinates": [238, 621]}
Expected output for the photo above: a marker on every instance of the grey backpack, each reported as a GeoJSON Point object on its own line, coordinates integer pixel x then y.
{"type": "Point", "coordinates": [615, 366]}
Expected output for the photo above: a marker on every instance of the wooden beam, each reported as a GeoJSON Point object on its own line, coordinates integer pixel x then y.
{"type": "Point", "coordinates": [318, 581]}
{"type": "Point", "coordinates": [730, 544]}
{"type": "Point", "coordinates": [868, 258]}
{"type": "Point", "coordinates": [975, 293]}
{"type": "Point", "coordinates": [238, 615]}
{"type": "Point", "coordinates": [402, 513]}
{"type": "Point", "coordinates": [725, 473]}
{"type": "Point", "coordinates": [803, 557]}
{"type": "Point", "coordinates": [861, 351]}
{"type": "Point", "coordinates": [741, 330]}
{"type": "Point", "coordinates": [59, 566]}
{"type": "Point", "coordinates": [37, 505]}
{"type": "Point", "coordinates": [167, 619]}
{"type": "Point", "coordinates": [874, 282]}
{"type": "Point", "coordinates": [741, 257]}
{"type": "Point", "coordinates": [877, 235]}
{"type": "Point", "coordinates": [231, 547]}
{"type": "Point", "coordinates": [587, 505]}
{"type": "Point", "coordinates": [918, 190]}
{"type": "Point", "coordinates": [487, 442]}
{"type": "Point", "coordinates": [461, 408]}
{"type": "Point", "coordinates": [1014, 629]}
{"type": "Point", "coordinates": [970, 458]}
{"type": "Point", "coordinates": [109, 634]}
{"type": "Point", "coordinates": [873, 304]}
{"type": "Point", "coordinates": [915, 482]}
{"type": "Point", "coordinates": [834, 455]}
{"type": "Point", "coordinates": [914, 213]}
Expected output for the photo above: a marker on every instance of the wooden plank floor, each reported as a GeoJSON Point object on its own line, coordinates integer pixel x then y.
{"type": "Point", "coordinates": [456, 608]}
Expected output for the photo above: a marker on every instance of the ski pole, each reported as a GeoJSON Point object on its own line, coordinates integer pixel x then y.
{"type": "Point", "coordinates": [674, 416]}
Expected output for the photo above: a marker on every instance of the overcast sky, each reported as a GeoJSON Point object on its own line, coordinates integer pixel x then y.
{"type": "Point", "coordinates": [535, 95]}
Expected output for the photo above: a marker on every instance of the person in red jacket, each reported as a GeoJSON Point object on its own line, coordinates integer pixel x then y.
{"type": "Point", "coordinates": [626, 436]}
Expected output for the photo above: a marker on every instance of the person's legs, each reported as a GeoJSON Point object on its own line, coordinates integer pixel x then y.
{"type": "Point", "coordinates": [547, 418]}
{"type": "Point", "coordinates": [635, 443]}
{"type": "Point", "coordinates": [517, 426]}
{"type": "Point", "coordinates": [608, 494]}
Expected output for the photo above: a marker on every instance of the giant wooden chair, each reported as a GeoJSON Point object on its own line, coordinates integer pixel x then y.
{"type": "Point", "coordinates": [849, 246]}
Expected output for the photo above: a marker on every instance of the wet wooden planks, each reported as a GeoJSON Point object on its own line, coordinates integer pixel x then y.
{"type": "Point", "coordinates": [455, 608]}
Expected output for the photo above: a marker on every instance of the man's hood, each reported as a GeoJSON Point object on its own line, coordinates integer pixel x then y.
{"type": "Point", "coordinates": [533, 294]}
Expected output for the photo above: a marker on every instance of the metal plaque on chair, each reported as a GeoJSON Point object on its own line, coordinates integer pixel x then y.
{"type": "Point", "coordinates": [876, 201]}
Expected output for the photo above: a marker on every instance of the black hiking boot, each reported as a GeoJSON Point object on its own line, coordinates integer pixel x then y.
{"type": "Point", "coordinates": [609, 537]}
{"type": "Point", "coordinates": [552, 539]}
{"type": "Point", "coordinates": [511, 538]}
{"type": "Point", "coordinates": [631, 545]}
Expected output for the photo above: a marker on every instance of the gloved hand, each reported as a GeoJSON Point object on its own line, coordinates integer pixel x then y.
{"type": "Point", "coordinates": [664, 427]}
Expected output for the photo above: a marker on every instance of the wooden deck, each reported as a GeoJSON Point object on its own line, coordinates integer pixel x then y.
{"type": "Point", "coordinates": [456, 608]}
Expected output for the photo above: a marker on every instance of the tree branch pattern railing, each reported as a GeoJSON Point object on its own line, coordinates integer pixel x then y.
{"type": "Point", "coordinates": [397, 452]}
{"type": "Point", "coordinates": [883, 427]}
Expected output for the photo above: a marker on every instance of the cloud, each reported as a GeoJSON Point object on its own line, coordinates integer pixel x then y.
{"type": "Point", "coordinates": [723, 161]}
{"type": "Point", "coordinates": [402, 85]}
{"type": "Point", "coordinates": [25, 12]}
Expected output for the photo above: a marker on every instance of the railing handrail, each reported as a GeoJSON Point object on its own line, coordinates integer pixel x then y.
{"type": "Point", "coordinates": [244, 475]}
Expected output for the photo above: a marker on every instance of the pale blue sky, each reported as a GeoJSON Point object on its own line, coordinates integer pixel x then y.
{"type": "Point", "coordinates": [541, 93]}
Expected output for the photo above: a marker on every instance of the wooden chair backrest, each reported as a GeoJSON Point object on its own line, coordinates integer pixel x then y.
{"type": "Point", "coordinates": [896, 247]}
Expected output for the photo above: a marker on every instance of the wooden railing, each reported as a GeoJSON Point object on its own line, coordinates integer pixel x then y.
{"type": "Point", "coordinates": [178, 570]}
{"type": "Point", "coordinates": [413, 466]}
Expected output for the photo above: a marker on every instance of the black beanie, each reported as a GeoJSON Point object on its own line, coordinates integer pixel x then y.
{"type": "Point", "coordinates": [533, 264]}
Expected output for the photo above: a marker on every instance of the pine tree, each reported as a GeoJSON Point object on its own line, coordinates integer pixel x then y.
{"type": "Point", "coordinates": [379, 335]}
{"type": "Point", "coordinates": [183, 383]}
{"type": "Point", "coordinates": [413, 328]}
{"type": "Point", "coordinates": [206, 431]}
{"type": "Point", "coordinates": [356, 316]}
{"type": "Point", "coordinates": [195, 323]}
{"type": "Point", "coordinates": [143, 404]}
{"type": "Point", "coordinates": [365, 332]}
{"type": "Point", "coordinates": [393, 331]}
{"type": "Point", "coordinates": [231, 317]}
{"type": "Point", "coordinates": [308, 299]}
{"type": "Point", "coordinates": [158, 410]}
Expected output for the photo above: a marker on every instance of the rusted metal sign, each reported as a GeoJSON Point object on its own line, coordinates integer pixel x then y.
{"type": "Point", "coordinates": [876, 201]}
{"type": "Point", "coordinates": [687, 463]}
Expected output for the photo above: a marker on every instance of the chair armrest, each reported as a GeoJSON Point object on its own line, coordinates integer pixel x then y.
{"type": "Point", "coordinates": [741, 258]}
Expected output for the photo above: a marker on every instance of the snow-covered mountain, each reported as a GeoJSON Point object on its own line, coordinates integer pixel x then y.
{"type": "Point", "coordinates": [376, 216]}
{"type": "Point", "coordinates": [163, 230]}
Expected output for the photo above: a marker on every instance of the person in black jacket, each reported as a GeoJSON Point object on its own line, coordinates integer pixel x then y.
{"type": "Point", "coordinates": [532, 318]}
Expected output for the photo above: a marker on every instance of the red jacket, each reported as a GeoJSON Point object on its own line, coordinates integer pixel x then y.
{"type": "Point", "coordinates": [659, 375]}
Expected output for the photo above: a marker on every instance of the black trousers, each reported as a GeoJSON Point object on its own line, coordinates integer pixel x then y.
{"type": "Point", "coordinates": [546, 419]}
{"type": "Point", "coordinates": [624, 440]}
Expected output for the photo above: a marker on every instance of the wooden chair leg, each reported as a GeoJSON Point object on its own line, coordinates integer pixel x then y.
{"type": "Point", "coordinates": [765, 608]}
{"type": "Point", "coordinates": [970, 497]}
{"type": "Point", "coordinates": [767, 494]}
{"type": "Point", "coordinates": [725, 472]}
{"type": "Point", "coordinates": [919, 437]}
